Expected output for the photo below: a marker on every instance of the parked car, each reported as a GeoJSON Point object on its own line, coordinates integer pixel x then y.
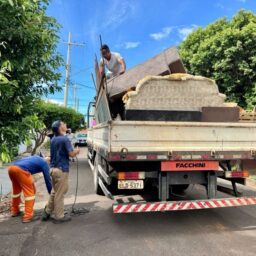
{"type": "Point", "coordinates": [71, 137]}
{"type": "Point", "coordinates": [81, 139]}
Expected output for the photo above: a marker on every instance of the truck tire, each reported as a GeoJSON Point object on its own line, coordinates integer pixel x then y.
{"type": "Point", "coordinates": [97, 187]}
{"type": "Point", "coordinates": [113, 187]}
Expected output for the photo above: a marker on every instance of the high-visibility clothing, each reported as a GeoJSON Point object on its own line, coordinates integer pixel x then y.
{"type": "Point", "coordinates": [22, 181]}
{"type": "Point", "coordinates": [36, 164]}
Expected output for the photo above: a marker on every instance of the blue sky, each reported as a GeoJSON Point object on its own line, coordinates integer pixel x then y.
{"type": "Point", "coordinates": [138, 29]}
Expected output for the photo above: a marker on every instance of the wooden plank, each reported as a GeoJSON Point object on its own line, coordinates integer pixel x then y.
{"type": "Point", "coordinates": [97, 74]}
{"type": "Point", "coordinates": [220, 114]}
{"type": "Point", "coordinates": [164, 63]}
{"type": "Point", "coordinates": [102, 112]}
{"type": "Point", "coordinates": [248, 117]}
{"type": "Point", "coordinates": [162, 115]}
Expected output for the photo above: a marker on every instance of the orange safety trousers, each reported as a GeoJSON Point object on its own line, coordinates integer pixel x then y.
{"type": "Point", "coordinates": [22, 181]}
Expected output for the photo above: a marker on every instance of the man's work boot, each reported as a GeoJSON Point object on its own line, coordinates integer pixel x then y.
{"type": "Point", "coordinates": [46, 216]}
{"type": "Point", "coordinates": [66, 218]}
{"type": "Point", "coordinates": [16, 214]}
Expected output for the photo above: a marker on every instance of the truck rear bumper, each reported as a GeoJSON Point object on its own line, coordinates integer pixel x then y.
{"type": "Point", "coordinates": [137, 207]}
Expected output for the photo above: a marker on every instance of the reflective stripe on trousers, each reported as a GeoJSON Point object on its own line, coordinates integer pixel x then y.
{"type": "Point", "coordinates": [16, 195]}
{"type": "Point", "coordinates": [28, 198]}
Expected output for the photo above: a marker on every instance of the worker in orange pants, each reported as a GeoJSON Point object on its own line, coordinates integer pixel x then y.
{"type": "Point", "coordinates": [20, 174]}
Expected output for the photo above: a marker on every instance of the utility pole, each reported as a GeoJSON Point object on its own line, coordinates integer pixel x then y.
{"type": "Point", "coordinates": [74, 99]}
{"type": "Point", "coordinates": [76, 104]}
{"type": "Point", "coordinates": [77, 107]}
{"type": "Point", "coordinates": [69, 43]}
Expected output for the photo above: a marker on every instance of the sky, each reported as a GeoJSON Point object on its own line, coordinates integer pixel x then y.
{"type": "Point", "coordinates": [137, 29]}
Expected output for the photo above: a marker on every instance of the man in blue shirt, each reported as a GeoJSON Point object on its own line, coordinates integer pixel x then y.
{"type": "Point", "coordinates": [61, 150]}
{"type": "Point", "coordinates": [20, 173]}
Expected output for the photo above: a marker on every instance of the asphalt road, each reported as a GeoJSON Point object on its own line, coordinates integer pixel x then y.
{"type": "Point", "coordinates": [229, 231]}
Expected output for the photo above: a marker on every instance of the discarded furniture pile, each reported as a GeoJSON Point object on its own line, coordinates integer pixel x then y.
{"type": "Point", "coordinates": [160, 90]}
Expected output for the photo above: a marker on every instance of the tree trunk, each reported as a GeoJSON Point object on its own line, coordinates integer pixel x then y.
{"type": "Point", "coordinates": [39, 139]}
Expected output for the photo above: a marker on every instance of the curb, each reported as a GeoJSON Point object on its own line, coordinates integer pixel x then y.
{"type": "Point", "coordinates": [251, 182]}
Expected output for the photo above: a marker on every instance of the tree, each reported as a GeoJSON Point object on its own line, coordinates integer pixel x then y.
{"type": "Point", "coordinates": [225, 51]}
{"type": "Point", "coordinates": [28, 67]}
{"type": "Point", "coordinates": [47, 113]}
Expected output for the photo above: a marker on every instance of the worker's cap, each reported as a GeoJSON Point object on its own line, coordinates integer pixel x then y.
{"type": "Point", "coordinates": [55, 126]}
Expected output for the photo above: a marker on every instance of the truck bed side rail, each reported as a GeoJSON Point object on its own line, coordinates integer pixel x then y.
{"type": "Point", "coordinates": [125, 155]}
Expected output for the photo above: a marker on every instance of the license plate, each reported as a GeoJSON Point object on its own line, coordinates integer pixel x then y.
{"type": "Point", "coordinates": [130, 184]}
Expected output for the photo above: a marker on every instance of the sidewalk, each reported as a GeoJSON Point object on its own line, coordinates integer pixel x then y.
{"type": "Point", "coordinates": [251, 181]}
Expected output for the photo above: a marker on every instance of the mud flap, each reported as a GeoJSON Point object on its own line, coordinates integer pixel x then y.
{"type": "Point", "coordinates": [212, 185]}
{"type": "Point", "coordinates": [163, 187]}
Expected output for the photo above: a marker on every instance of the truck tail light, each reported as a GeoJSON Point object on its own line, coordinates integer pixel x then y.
{"type": "Point", "coordinates": [130, 175]}
{"type": "Point", "coordinates": [237, 174]}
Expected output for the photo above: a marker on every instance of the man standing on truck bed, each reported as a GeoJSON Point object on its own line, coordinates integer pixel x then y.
{"type": "Point", "coordinates": [114, 62]}
{"type": "Point", "coordinates": [61, 150]}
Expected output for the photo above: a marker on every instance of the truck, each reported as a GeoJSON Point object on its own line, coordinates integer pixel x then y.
{"type": "Point", "coordinates": [159, 158]}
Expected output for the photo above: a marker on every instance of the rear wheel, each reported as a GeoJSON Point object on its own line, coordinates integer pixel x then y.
{"type": "Point", "coordinates": [97, 187]}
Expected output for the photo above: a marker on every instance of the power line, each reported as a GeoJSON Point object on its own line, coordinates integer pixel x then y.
{"type": "Point", "coordinates": [86, 86]}
{"type": "Point", "coordinates": [80, 71]}
{"type": "Point", "coordinates": [83, 85]}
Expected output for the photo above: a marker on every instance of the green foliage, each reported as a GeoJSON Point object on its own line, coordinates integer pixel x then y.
{"type": "Point", "coordinates": [225, 51]}
{"type": "Point", "coordinates": [47, 113]}
{"type": "Point", "coordinates": [28, 64]}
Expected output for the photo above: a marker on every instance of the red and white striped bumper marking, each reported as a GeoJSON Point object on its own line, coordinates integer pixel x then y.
{"type": "Point", "coordinates": [183, 205]}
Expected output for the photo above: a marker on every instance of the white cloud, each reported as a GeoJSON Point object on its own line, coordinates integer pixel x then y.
{"type": "Point", "coordinates": [58, 102]}
{"type": "Point", "coordinates": [129, 45]}
{"type": "Point", "coordinates": [162, 34]}
{"type": "Point", "coordinates": [118, 12]}
{"type": "Point", "coordinates": [109, 16]}
{"type": "Point", "coordinates": [221, 6]}
{"type": "Point", "coordinates": [182, 30]}
{"type": "Point", "coordinates": [185, 31]}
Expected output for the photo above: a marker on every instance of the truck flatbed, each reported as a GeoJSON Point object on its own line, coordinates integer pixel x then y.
{"type": "Point", "coordinates": [169, 137]}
